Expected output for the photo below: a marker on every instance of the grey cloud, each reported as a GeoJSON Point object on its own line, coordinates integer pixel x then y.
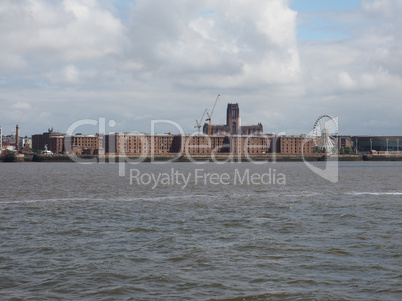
{"type": "Point", "coordinates": [65, 60]}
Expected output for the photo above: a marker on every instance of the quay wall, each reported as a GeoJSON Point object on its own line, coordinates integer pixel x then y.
{"type": "Point", "coordinates": [174, 157]}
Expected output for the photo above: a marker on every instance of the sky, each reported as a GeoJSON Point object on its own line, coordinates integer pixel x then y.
{"type": "Point", "coordinates": [131, 62]}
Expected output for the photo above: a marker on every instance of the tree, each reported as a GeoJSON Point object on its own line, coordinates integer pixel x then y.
{"type": "Point", "coordinates": [348, 150]}
{"type": "Point", "coordinates": [317, 149]}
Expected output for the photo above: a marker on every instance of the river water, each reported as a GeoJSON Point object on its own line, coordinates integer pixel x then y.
{"type": "Point", "coordinates": [237, 231]}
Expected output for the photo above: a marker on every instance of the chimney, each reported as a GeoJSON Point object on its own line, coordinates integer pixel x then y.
{"type": "Point", "coordinates": [17, 138]}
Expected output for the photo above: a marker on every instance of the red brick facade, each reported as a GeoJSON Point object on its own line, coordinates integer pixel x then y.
{"type": "Point", "coordinates": [199, 145]}
{"type": "Point", "coordinates": [293, 145]}
{"type": "Point", "coordinates": [59, 143]}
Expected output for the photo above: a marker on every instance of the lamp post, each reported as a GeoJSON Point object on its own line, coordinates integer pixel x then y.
{"type": "Point", "coordinates": [387, 144]}
{"type": "Point", "coordinates": [356, 146]}
{"type": "Point", "coordinates": [371, 144]}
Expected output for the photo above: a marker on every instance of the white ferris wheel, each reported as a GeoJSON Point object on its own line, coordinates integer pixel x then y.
{"type": "Point", "coordinates": [325, 132]}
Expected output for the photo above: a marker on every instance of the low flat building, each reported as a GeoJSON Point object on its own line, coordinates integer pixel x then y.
{"type": "Point", "coordinates": [367, 144]}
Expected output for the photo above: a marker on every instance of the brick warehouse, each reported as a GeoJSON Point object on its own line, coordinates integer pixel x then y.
{"type": "Point", "coordinates": [200, 145]}
{"type": "Point", "coordinates": [294, 145]}
{"type": "Point", "coordinates": [56, 143]}
{"type": "Point", "coordinates": [40, 140]}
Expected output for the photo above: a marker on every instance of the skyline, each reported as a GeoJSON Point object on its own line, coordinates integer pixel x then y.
{"type": "Point", "coordinates": [285, 62]}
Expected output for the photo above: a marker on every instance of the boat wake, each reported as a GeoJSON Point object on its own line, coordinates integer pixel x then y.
{"type": "Point", "coordinates": [373, 193]}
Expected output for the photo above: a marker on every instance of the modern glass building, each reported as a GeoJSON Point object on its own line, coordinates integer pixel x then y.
{"type": "Point", "coordinates": [377, 143]}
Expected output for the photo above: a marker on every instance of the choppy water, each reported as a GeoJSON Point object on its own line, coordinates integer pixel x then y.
{"type": "Point", "coordinates": [81, 232]}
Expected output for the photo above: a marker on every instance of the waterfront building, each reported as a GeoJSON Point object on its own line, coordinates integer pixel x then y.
{"type": "Point", "coordinates": [59, 143]}
{"type": "Point", "coordinates": [344, 142]}
{"type": "Point", "coordinates": [25, 141]}
{"type": "Point", "coordinates": [137, 144]}
{"type": "Point", "coordinates": [377, 144]}
{"type": "Point", "coordinates": [56, 144]}
{"type": "Point", "coordinates": [25, 145]}
{"type": "Point", "coordinates": [194, 144]}
{"type": "Point", "coordinates": [294, 145]}
{"type": "Point", "coordinates": [8, 143]}
{"type": "Point", "coordinates": [39, 141]}
{"type": "Point", "coordinates": [224, 144]}
{"type": "Point", "coordinates": [251, 144]}
{"type": "Point", "coordinates": [80, 144]}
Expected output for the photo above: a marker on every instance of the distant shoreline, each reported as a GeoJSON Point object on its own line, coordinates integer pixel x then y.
{"type": "Point", "coordinates": [265, 157]}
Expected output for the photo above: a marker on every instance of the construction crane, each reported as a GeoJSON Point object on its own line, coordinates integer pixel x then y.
{"type": "Point", "coordinates": [199, 122]}
{"type": "Point", "coordinates": [210, 116]}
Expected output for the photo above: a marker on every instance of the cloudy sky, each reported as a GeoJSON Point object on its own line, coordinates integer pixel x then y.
{"type": "Point", "coordinates": [286, 62]}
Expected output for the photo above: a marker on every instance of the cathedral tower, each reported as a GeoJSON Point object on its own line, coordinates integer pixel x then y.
{"type": "Point", "coordinates": [233, 118]}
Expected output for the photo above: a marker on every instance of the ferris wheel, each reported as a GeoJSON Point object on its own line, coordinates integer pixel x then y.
{"type": "Point", "coordinates": [325, 132]}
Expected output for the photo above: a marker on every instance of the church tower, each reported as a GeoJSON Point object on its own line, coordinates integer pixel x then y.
{"type": "Point", "coordinates": [233, 118]}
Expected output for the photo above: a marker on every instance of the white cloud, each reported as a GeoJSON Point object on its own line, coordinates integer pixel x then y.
{"type": "Point", "coordinates": [71, 74]}
{"type": "Point", "coordinates": [169, 59]}
{"type": "Point", "coordinates": [346, 81]}
{"type": "Point", "coordinates": [21, 106]}
{"type": "Point", "coordinates": [47, 32]}
{"type": "Point", "coordinates": [232, 46]}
